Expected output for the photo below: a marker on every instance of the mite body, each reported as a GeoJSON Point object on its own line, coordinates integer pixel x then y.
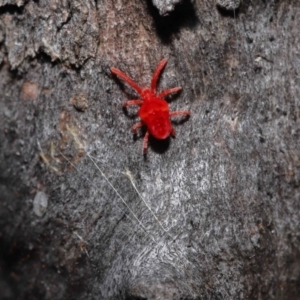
{"type": "Point", "coordinates": [154, 110]}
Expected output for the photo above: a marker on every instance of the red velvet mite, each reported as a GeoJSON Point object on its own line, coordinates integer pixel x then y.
{"type": "Point", "coordinates": [154, 110]}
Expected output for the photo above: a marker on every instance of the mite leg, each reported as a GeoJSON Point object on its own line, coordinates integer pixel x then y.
{"type": "Point", "coordinates": [132, 102]}
{"type": "Point", "coordinates": [136, 126]}
{"type": "Point", "coordinates": [173, 132]}
{"type": "Point", "coordinates": [127, 79]}
{"type": "Point", "coordinates": [169, 91]}
{"type": "Point", "coordinates": [180, 112]}
{"type": "Point", "coordinates": [145, 143]}
{"type": "Point", "coordinates": [156, 74]}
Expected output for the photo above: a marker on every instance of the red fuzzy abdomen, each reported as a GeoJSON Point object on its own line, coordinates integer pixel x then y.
{"type": "Point", "coordinates": [155, 114]}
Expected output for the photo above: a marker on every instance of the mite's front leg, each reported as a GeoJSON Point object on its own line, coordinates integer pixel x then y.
{"type": "Point", "coordinates": [180, 112]}
{"type": "Point", "coordinates": [169, 91]}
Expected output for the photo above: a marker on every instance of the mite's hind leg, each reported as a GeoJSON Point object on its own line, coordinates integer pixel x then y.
{"type": "Point", "coordinates": [173, 132]}
{"type": "Point", "coordinates": [132, 102]}
{"type": "Point", "coordinates": [145, 143]}
{"type": "Point", "coordinates": [136, 126]}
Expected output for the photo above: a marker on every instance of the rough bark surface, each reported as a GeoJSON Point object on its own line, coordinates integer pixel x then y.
{"type": "Point", "coordinates": [165, 6]}
{"type": "Point", "coordinates": [225, 192]}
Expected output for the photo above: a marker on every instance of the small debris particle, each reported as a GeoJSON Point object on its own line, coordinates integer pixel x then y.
{"type": "Point", "coordinates": [40, 203]}
{"type": "Point", "coordinates": [229, 4]}
{"type": "Point", "coordinates": [80, 152]}
{"type": "Point", "coordinates": [46, 91]}
{"type": "Point", "coordinates": [258, 58]}
{"type": "Point", "coordinates": [80, 102]}
{"type": "Point", "coordinates": [30, 91]}
{"type": "Point", "coordinates": [255, 239]}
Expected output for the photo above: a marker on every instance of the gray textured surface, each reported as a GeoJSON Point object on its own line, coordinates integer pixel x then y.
{"type": "Point", "coordinates": [229, 4]}
{"type": "Point", "coordinates": [165, 6]}
{"type": "Point", "coordinates": [226, 189]}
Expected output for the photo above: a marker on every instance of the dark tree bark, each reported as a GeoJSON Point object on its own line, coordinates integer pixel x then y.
{"type": "Point", "coordinates": [224, 192]}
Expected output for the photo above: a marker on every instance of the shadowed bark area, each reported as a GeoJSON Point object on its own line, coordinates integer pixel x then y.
{"type": "Point", "coordinates": [221, 213]}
